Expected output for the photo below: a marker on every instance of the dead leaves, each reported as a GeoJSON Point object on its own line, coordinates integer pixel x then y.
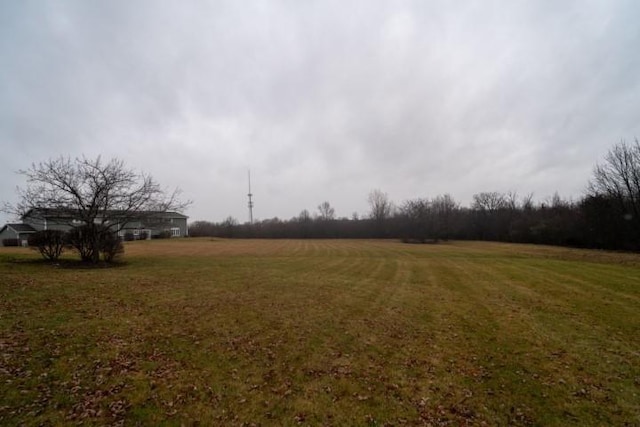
{"type": "Point", "coordinates": [99, 404]}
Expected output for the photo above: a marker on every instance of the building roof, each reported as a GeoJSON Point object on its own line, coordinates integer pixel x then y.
{"type": "Point", "coordinates": [48, 213]}
{"type": "Point", "coordinates": [166, 214]}
{"type": "Point", "coordinates": [21, 228]}
{"type": "Point", "coordinates": [70, 213]}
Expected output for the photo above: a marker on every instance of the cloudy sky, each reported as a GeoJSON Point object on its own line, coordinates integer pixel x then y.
{"type": "Point", "coordinates": [322, 100]}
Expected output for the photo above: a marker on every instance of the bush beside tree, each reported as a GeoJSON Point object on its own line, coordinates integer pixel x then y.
{"type": "Point", "coordinates": [50, 243]}
{"type": "Point", "coordinates": [111, 247]}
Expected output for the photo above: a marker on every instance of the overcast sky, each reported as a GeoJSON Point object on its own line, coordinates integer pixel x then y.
{"type": "Point", "coordinates": [322, 100]}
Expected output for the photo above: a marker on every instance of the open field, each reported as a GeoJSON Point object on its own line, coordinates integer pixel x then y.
{"type": "Point", "coordinates": [333, 332]}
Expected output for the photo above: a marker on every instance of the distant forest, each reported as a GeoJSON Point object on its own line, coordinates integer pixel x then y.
{"type": "Point", "coordinates": [607, 217]}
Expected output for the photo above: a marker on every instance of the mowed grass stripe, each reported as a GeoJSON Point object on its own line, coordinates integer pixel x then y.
{"type": "Point", "coordinates": [521, 341]}
{"type": "Point", "coordinates": [598, 297]}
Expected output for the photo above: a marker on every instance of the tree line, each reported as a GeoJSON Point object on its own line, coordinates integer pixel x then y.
{"type": "Point", "coordinates": [607, 216]}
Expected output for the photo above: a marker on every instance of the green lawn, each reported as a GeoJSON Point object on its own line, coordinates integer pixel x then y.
{"type": "Point", "coordinates": [322, 332]}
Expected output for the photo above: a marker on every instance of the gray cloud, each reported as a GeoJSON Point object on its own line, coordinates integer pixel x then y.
{"type": "Point", "coordinates": [322, 100]}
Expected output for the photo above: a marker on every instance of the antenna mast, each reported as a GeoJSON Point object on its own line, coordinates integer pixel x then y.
{"type": "Point", "coordinates": [250, 201]}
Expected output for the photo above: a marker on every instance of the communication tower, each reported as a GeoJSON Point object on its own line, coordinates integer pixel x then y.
{"type": "Point", "coordinates": [250, 201]}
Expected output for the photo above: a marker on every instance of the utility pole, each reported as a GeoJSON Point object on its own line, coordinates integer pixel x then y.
{"type": "Point", "coordinates": [250, 201]}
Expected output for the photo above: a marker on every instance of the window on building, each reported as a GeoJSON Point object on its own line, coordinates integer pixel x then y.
{"type": "Point", "coordinates": [175, 231]}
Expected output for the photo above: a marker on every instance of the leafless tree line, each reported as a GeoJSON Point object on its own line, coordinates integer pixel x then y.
{"type": "Point", "coordinates": [607, 216]}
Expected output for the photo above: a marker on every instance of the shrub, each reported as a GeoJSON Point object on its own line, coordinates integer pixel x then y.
{"type": "Point", "coordinates": [50, 243]}
{"type": "Point", "coordinates": [111, 246]}
{"type": "Point", "coordinates": [128, 236]}
{"type": "Point", "coordinates": [92, 241]}
{"type": "Point", "coordinates": [81, 239]}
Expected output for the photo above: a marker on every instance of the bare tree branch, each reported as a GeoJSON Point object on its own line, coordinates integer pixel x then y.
{"type": "Point", "coordinates": [619, 177]}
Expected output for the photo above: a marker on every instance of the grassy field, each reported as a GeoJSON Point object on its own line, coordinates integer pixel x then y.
{"type": "Point", "coordinates": [223, 332]}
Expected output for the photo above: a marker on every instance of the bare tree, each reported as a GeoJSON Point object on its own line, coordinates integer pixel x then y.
{"type": "Point", "coordinates": [444, 208]}
{"type": "Point", "coordinates": [511, 201]}
{"type": "Point", "coordinates": [304, 223]}
{"type": "Point", "coordinates": [491, 215]}
{"type": "Point", "coordinates": [102, 196]}
{"type": "Point", "coordinates": [229, 226]}
{"type": "Point", "coordinates": [489, 202]}
{"type": "Point", "coordinates": [527, 202]}
{"type": "Point", "coordinates": [619, 178]}
{"type": "Point", "coordinates": [557, 202]}
{"type": "Point", "coordinates": [380, 205]}
{"type": "Point", "coordinates": [202, 228]}
{"type": "Point", "coordinates": [419, 220]}
{"type": "Point", "coordinates": [304, 216]}
{"type": "Point", "coordinates": [381, 209]}
{"type": "Point", "coordinates": [326, 212]}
